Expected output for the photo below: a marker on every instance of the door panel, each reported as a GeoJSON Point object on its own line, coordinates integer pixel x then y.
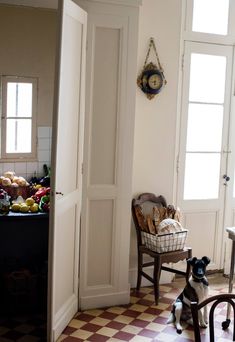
{"type": "Point", "coordinates": [203, 142]}
{"type": "Point", "coordinates": [203, 227]}
{"type": "Point", "coordinates": [67, 140]}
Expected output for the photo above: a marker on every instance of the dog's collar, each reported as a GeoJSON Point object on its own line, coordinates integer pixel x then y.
{"type": "Point", "coordinates": [200, 280]}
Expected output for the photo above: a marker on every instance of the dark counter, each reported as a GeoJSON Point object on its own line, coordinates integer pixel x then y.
{"type": "Point", "coordinates": [24, 235]}
{"type": "Point", "coordinates": [23, 262]}
{"type": "Point", "coordinates": [13, 216]}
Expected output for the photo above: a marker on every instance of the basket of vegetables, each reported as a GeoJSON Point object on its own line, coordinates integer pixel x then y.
{"type": "Point", "coordinates": [15, 186]}
{"type": "Point", "coordinates": [42, 197]}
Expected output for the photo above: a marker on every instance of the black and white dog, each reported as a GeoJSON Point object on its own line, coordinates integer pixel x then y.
{"type": "Point", "coordinates": [196, 290]}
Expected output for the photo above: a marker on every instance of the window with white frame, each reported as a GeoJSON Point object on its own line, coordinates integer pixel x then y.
{"type": "Point", "coordinates": [206, 100]}
{"type": "Point", "coordinates": [210, 16]}
{"type": "Point", "coordinates": [18, 124]}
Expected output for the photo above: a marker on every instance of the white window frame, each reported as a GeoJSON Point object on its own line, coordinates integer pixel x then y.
{"type": "Point", "coordinates": [19, 156]}
{"type": "Point", "coordinates": [188, 34]}
{"type": "Point", "coordinates": [188, 37]}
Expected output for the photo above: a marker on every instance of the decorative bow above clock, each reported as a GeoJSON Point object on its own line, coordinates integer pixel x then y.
{"type": "Point", "coordinates": [151, 79]}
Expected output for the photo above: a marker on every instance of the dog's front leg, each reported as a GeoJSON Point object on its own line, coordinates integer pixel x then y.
{"type": "Point", "coordinates": [178, 311]}
{"type": "Point", "coordinates": [205, 314]}
{"type": "Point", "coordinates": [202, 323]}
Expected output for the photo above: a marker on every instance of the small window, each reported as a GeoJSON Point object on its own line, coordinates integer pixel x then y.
{"type": "Point", "coordinates": [216, 10]}
{"type": "Point", "coordinates": [18, 129]}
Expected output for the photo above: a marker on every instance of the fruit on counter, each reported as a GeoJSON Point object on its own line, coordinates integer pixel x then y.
{"type": "Point", "coordinates": [15, 207]}
{"type": "Point", "coordinates": [34, 208]}
{"type": "Point", "coordinates": [44, 204]}
{"type": "Point", "coordinates": [21, 181]}
{"type": "Point", "coordinates": [29, 201]}
{"type": "Point", "coordinates": [38, 186]}
{"type": "Point", "coordinates": [10, 179]}
{"type": "Point", "coordinates": [24, 208]}
{"type": "Point", "coordinates": [43, 191]}
{"type": "Point", "coordinates": [1, 178]}
{"type": "Point", "coordinates": [9, 174]}
{"type": "Point", "coordinates": [6, 181]}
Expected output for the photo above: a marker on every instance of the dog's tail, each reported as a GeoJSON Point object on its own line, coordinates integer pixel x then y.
{"type": "Point", "coordinates": [171, 318]}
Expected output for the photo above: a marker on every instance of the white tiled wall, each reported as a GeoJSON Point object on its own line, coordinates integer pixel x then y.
{"type": "Point", "coordinates": [29, 169]}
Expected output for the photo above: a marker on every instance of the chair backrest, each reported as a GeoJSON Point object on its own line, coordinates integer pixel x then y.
{"type": "Point", "coordinates": [195, 307]}
{"type": "Point", "coordinates": [146, 200]}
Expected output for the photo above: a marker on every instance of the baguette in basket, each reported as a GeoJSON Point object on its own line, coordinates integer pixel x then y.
{"type": "Point", "coordinates": [164, 220]}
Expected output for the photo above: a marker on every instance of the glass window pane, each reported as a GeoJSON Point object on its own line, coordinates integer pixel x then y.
{"type": "Point", "coordinates": [214, 10]}
{"type": "Point", "coordinates": [19, 99]}
{"type": "Point", "coordinates": [11, 99]}
{"type": "Point", "coordinates": [202, 172]}
{"type": "Point", "coordinates": [205, 124]}
{"type": "Point", "coordinates": [207, 78]}
{"type": "Point", "coordinates": [19, 136]}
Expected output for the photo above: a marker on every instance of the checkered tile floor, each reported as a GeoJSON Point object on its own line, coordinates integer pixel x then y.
{"type": "Point", "coordinates": [142, 320]}
{"type": "Point", "coordinates": [23, 329]}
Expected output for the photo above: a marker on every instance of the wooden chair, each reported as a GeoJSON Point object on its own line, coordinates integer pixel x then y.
{"type": "Point", "coordinates": [158, 259]}
{"type": "Point", "coordinates": [226, 297]}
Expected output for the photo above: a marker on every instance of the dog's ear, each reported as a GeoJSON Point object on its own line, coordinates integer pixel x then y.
{"type": "Point", "coordinates": [191, 261]}
{"type": "Point", "coordinates": [206, 260]}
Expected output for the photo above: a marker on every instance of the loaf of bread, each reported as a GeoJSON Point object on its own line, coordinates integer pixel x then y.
{"type": "Point", "coordinates": [141, 219]}
{"type": "Point", "coordinates": [168, 226]}
{"type": "Point", "coordinates": [150, 224]}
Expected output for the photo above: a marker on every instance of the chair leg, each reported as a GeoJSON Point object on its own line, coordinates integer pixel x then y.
{"type": "Point", "coordinates": [140, 266]}
{"type": "Point", "coordinates": [188, 269]}
{"type": "Point", "coordinates": [156, 277]}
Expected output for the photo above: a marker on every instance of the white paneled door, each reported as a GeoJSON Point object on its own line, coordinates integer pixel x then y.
{"type": "Point", "coordinates": [206, 158]}
{"type": "Point", "coordinates": [67, 156]}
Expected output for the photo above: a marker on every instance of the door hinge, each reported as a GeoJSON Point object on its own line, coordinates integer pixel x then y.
{"type": "Point", "coordinates": [182, 62]}
{"type": "Point", "coordinates": [177, 164]}
{"type": "Point", "coordinates": [82, 169]}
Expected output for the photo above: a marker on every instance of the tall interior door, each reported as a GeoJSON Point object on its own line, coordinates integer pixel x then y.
{"type": "Point", "coordinates": [67, 156]}
{"type": "Point", "coordinates": [205, 183]}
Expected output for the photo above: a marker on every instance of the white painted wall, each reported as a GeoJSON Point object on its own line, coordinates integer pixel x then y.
{"type": "Point", "coordinates": [155, 125]}
{"type": "Point", "coordinates": [28, 41]}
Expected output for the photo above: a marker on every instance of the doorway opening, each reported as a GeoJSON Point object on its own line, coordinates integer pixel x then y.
{"type": "Point", "coordinates": [205, 179]}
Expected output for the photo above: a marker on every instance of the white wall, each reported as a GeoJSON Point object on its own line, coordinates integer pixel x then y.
{"type": "Point", "coordinates": [28, 42]}
{"type": "Point", "coordinates": [155, 126]}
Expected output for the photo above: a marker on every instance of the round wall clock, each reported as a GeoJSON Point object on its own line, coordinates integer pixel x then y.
{"type": "Point", "coordinates": [151, 79]}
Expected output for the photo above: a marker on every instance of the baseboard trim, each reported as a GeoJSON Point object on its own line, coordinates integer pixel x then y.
{"type": "Point", "coordinates": [103, 300]}
{"type": "Point", "coordinates": [64, 315]}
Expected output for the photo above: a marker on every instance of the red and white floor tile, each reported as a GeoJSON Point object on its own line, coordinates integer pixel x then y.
{"type": "Point", "coordinates": [142, 320]}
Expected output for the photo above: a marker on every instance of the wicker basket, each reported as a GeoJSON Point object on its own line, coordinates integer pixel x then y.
{"type": "Point", "coordinates": [165, 242]}
{"type": "Point", "coordinates": [14, 192]}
